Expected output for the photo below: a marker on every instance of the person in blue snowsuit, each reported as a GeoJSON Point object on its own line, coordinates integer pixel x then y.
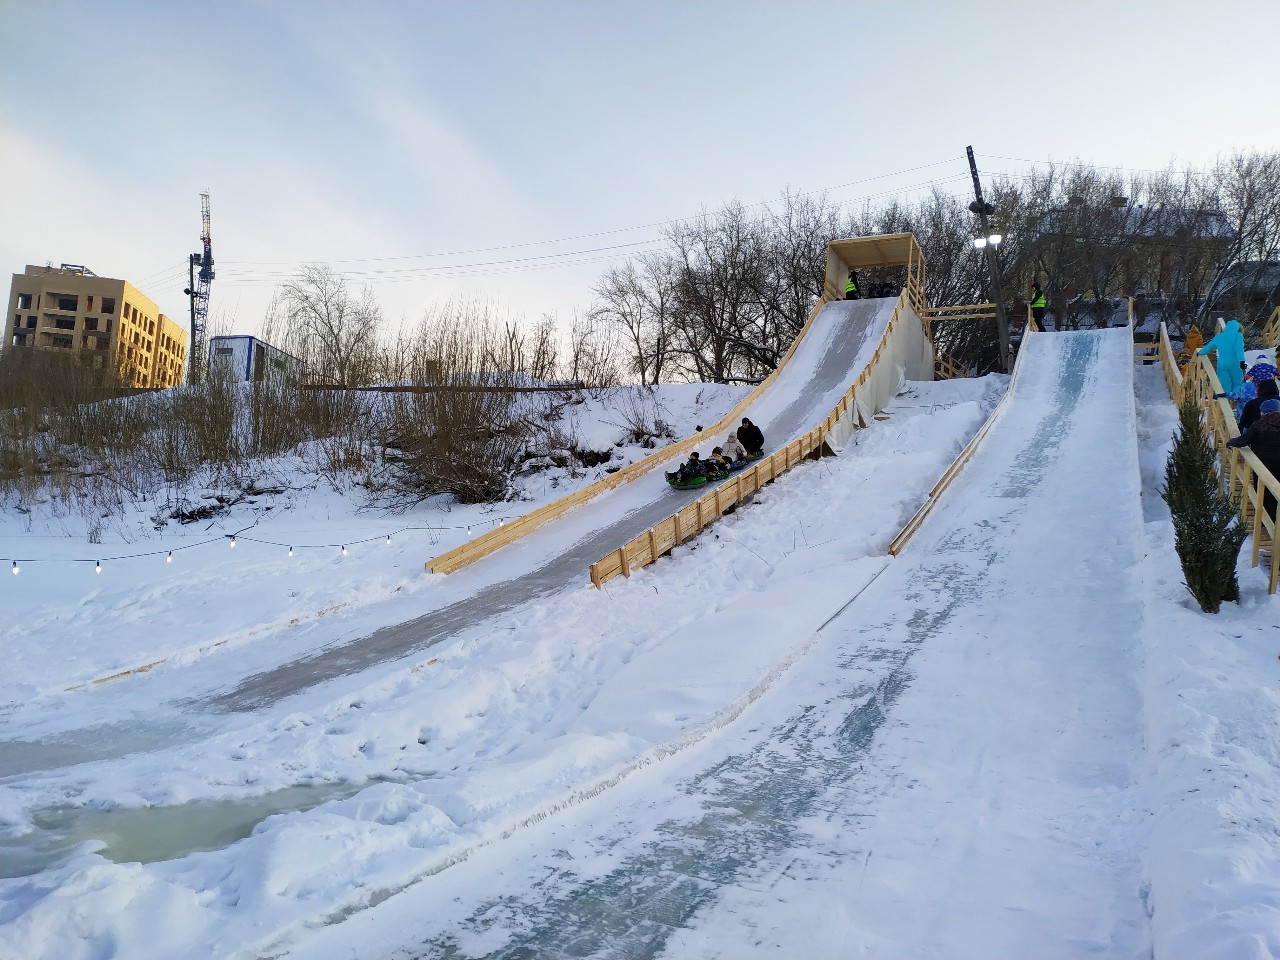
{"type": "Point", "coordinates": [1230, 346]}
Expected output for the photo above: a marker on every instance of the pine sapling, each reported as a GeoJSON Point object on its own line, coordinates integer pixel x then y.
{"type": "Point", "coordinates": [1207, 531]}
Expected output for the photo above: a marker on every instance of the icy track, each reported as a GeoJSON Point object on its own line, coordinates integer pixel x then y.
{"type": "Point", "coordinates": [776, 743]}
{"type": "Point", "coordinates": [846, 812]}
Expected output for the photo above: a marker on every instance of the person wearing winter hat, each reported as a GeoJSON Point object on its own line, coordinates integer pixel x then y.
{"type": "Point", "coordinates": [751, 437]}
{"type": "Point", "coordinates": [1230, 346]}
{"type": "Point", "coordinates": [1251, 411]}
{"type": "Point", "coordinates": [1263, 438]}
{"type": "Point", "coordinates": [1261, 370]}
{"type": "Point", "coordinates": [733, 448]}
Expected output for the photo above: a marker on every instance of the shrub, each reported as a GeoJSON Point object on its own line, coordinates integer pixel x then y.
{"type": "Point", "coordinates": [1207, 530]}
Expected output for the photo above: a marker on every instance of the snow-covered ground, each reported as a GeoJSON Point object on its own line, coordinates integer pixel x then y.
{"type": "Point", "coordinates": [762, 746]}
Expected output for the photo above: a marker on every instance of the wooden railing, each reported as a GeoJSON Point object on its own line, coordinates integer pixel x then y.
{"type": "Point", "coordinates": [947, 368]}
{"type": "Point", "coordinates": [899, 542]}
{"type": "Point", "coordinates": [1241, 475]}
{"type": "Point", "coordinates": [646, 548]}
{"type": "Point", "coordinates": [965, 311]}
{"type": "Point", "coordinates": [1271, 332]}
{"type": "Point", "coordinates": [482, 546]}
{"type": "Point", "coordinates": [1169, 364]}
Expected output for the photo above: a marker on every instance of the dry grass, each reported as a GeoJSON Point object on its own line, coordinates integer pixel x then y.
{"type": "Point", "coordinates": [71, 437]}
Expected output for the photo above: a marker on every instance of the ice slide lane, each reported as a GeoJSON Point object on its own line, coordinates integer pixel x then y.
{"type": "Point", "coordinates": [838, 346]}
{"type": "Point", "coordinates": [949, 770]}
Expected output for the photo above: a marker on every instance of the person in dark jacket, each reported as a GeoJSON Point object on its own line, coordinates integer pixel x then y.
{"type": "Point", "coordinates": [1263, 438]}
{"type": "Point", "coordinates": [1251, 411]}
{"type": "Point", "coordinates": [694, 468]}
{"type": "Point", "coordinates": [850, 287]}
{"type": "Point", "coordinates": [750, 437]}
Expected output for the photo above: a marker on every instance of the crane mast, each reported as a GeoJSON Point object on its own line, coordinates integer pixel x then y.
{"type": "Point", "coordinates": [200, 267]}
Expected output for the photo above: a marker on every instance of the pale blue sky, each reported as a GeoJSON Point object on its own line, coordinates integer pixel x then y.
{"type": "Point", "coordinates": [360, 131]}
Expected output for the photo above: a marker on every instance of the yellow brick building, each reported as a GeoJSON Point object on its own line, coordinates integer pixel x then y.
{"type": "Point", "coordinates": [97, 320]}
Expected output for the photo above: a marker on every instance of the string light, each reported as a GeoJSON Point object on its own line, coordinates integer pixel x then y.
{"type": "Point", "coordinates": [232, 539]}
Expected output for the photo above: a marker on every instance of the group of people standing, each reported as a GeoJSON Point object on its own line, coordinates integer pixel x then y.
{"type": "Point", "coordinates": [1256, 394]}
{"type": "Point", "coordinates": [744, 443]}
{"type": "Point", "coordinates": [853, 292]}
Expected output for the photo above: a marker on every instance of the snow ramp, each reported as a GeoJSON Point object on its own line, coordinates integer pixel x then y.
{"type": "Point", "coordinates": [840, 341]}
{"type": "Point", "coordinates": [1021, 599]}
{"type": "Point", "coordinates": [805, 369]}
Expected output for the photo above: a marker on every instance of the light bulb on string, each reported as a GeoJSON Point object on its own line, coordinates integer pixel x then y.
{"type": "Point", "coordinates": [468, 531]}
{"type": "Point", "coordinates": [344, 549]}
{"type": "Point", "coordinates": [291, 551]}
{"type": "Point", "coordinates": [97, 566]}
{"type": "Point", "coordinates": [16, 568]}
{"type": "Point", "coordinates": [388, 538]}
{"type": "Point", "coordinates": [233, 543]}
{"type": "Point", "coordinates": [169, 558]}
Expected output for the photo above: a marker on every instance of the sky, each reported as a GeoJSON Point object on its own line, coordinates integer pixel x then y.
{"type": "Point", "coordinates": [512, 151]}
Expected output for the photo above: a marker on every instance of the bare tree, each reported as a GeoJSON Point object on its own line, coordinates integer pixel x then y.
{"type": "Point", "coordinates": [334, 332]}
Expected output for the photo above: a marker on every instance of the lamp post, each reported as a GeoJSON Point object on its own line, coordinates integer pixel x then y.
{"type": "Point", "coordinates": [987, 242]}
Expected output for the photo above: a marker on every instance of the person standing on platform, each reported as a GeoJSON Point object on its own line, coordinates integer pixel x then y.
{"type": "Point", "coordinates": [850, 288]}
{"type": "Point", "coordinates": [1037, 304]}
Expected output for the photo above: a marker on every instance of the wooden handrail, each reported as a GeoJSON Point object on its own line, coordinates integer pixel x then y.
{"type": "Point", "coordinates": [1271, 332]}
{"type": "Point", "coordinates": [482, 546]}
{"type": "Point", "coordinates": [660, 539]}
{"type": "Point", "coordinates": [943, 312]}
{"type": "Point", "coordinates": [899, 543]}
{"type": "Point", "coordinates": [1242, 477]}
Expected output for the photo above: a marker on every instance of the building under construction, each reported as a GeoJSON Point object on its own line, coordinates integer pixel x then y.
{"type": "Point", "coordinates": [98, 320]}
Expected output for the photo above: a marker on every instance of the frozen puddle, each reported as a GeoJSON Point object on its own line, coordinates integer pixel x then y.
{"type": "Point", "coordinates": [149, 834]}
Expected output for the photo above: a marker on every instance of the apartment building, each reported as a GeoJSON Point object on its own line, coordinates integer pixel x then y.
{"type": "Point", "coordinates": [96, 319]}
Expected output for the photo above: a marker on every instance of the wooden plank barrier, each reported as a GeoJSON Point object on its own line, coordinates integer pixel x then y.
{"type": "Point", "coordinates": [899, 543]}
{"type": "Point", "coordinates": [1242, 477]}
{"type": "Point", "coordinates": [715, 503]}
{"type": "Point", "coordinates": [480, 547]}
{"type": "Point", "coordinates": [1271, 332]}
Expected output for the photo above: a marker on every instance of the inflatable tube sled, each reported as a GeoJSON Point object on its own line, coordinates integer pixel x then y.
{"type": "Point", "coordinates": [686, 482]}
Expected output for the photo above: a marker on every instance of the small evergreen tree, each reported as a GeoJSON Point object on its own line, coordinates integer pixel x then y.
{"type": "Point", "coordinates": [1207, 531]}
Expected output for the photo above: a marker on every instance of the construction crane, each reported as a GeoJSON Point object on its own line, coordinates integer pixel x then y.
{"type": "Point", "coordinates": [201, 272]}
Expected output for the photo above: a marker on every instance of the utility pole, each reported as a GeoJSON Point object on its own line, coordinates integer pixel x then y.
{"type": "Point", "coordinates": [984, 210]}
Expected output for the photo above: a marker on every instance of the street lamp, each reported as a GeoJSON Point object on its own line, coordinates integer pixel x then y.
{"type": "Point", "coordinates": [988, 243]}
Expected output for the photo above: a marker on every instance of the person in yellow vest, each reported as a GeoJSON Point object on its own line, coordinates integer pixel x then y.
{"type": "Point", "coordinates": [1037, 304]}
{"type": "Point", "coordinates": [851, 286]}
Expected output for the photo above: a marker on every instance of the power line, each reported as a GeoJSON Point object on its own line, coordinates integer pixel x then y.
{"type": "Point", "coordinates": [540, 261]}
{"type": "Point", "coordinates": [583, 236]}
{"type": "Point", "coordinates": [1098, 166]}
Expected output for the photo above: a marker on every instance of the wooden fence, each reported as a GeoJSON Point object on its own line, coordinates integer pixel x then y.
{"type": "Point", "coordinates": [646, 548]}
{"type": "Point", "coordinates": [1271, 332]}
{"type": "Point", "coordinates": [1241, 475]}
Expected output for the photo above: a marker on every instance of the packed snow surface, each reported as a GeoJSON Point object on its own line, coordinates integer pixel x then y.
{"type": "Point", "coordinates": [1017, 739]}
